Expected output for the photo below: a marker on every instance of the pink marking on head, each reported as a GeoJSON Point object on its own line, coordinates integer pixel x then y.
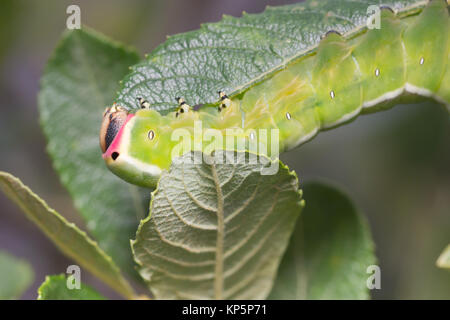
{"type": "Point", "coordinates": [115, 144]}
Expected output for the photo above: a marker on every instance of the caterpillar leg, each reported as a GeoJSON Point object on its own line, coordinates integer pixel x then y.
{"type": "Point", "coordinates": [183, 107]}
{"type": "Point", "coordinates": [143, 103]}
{"type": "Point", "coordinates": [225, 101]}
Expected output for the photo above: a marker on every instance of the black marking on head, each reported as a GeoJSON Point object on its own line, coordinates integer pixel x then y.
{"type": "Point", "coordinates": [113, 128]}
{"type": "Point", "coordinates": [113, 119]}
{"type": "Point", "coordinates": [114, 155]}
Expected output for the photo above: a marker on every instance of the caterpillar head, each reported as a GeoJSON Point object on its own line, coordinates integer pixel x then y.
{"type": "Point", "coordinates": [113, 119]}
{"type": "Point", "coordinates": [130, 146]}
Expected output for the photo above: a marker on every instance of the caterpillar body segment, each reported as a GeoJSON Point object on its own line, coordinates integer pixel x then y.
{"type": "Point", "coordinates": [407, 58]}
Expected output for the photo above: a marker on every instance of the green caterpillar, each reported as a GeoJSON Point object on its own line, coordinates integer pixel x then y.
{"type": "Point", "coordinates": [405, 60]}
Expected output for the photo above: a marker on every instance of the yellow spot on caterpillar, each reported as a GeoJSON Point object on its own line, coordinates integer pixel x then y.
{"type": "Point", "coordinates": [183, 107]}
{"type": "Point", "coordinates": [143, 103]}
{"type": "Point", "coordinates": [226, 102]}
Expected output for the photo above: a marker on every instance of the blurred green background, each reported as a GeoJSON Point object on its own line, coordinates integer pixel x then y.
{"type": "Point", "coordinates": [394, 164]}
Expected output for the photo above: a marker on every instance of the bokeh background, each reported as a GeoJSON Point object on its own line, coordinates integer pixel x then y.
{"type": "Point", "coordinates": [394, 164]}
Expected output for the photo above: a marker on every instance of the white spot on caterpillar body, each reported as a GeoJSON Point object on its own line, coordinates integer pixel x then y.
{"type": "Point", "coordinates": [332, 94]}
{"type": "Point", "coordinates": [377, 72]}
{"type": "Point", "coordinates": [288, 115]}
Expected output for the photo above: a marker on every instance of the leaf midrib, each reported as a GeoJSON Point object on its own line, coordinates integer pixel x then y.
{"type": "Point", "coordinates": [218, 278]}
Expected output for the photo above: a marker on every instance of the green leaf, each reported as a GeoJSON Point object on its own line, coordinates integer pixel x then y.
{"type": "Point", "coordinates": [329, 251]}
{"type": "Point", "coordinates": [66, 236]}
{"type": "Point", "coordinates": [444, 259]}
{"type": "Point", "coordinates": [217, 230]}
{"type": "Point", "coordinates": [15, 276]}
{"type": "Point", "coordinates": [236, 53]}
{"type": "Point", "coordinates": [79, 81]}
{"type": "Point", "coordinates": [55, 288]}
